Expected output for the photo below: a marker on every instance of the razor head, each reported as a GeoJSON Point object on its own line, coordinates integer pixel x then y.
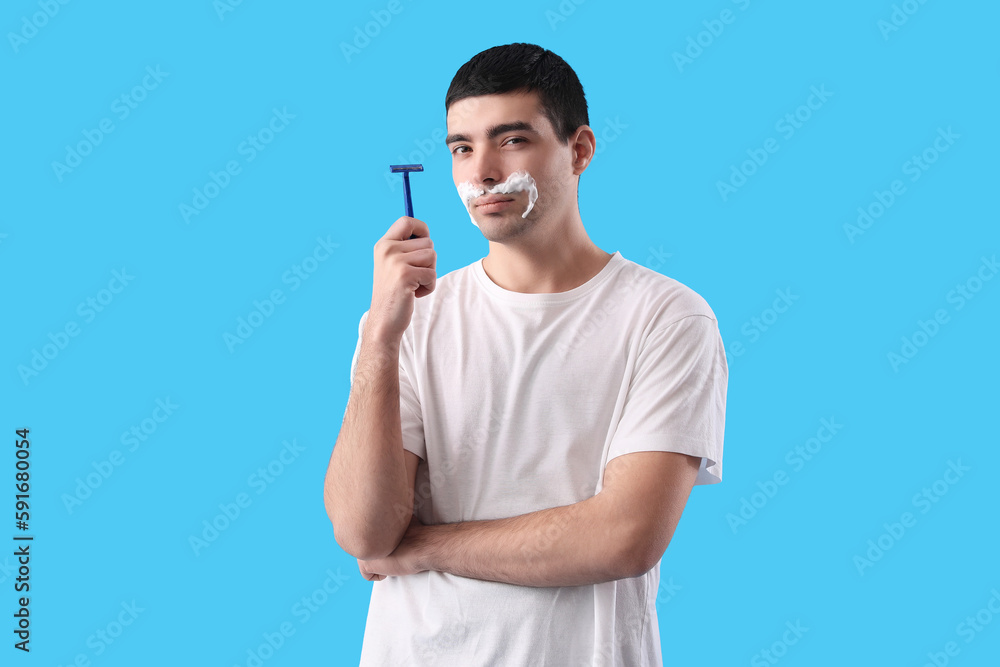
{"type": "Point", "coordinates": [397, 168]}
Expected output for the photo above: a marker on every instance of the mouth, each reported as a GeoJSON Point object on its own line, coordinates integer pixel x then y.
{"type": "Point", "coordinates": [493, 203]}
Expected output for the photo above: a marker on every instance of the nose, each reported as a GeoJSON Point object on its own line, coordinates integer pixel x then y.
{"type": "Point", "coordinates": [487, 168]}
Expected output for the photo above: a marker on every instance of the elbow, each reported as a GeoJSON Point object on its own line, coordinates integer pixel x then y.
{"type": "Point", "coordinates": [637, 565]}
{"type": "Point", "coordinates": [365, 542]}
{"type": "Point", "coordinates": [365, 547]}
{"type": "Point", "coordinates": [640, 555]}
{"type": "Point", "coordinates": [356, 541]}
{"type": "Point", "coordinates": [642, 566]}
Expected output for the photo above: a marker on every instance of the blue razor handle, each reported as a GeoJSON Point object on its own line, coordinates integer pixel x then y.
{"type": "Point", "coordinates": [405, 169]}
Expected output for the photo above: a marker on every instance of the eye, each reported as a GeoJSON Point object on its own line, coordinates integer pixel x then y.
{"type": "Point", "coordinates": [521, 139]}
{"type": "Point", "coordinates": [455, 149]}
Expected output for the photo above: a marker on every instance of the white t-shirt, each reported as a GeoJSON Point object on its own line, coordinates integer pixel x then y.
{"type": "Point", "coordinates": [515, 403]}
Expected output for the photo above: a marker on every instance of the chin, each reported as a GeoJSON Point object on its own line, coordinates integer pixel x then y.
{"type": "Point", "coordinates": [502, 230]}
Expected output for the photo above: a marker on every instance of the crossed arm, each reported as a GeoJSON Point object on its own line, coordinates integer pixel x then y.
{"type": "Point", "coordinates": [621, 532]}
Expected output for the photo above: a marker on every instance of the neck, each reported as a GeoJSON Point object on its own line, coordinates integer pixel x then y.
{"type": "Point", "coordinates": [547, 263]}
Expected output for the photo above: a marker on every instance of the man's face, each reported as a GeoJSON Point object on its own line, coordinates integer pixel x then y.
{"type": "Point", "coordinates": [492, 136]}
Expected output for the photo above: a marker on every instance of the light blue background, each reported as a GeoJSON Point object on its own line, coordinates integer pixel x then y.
{"type": "Point", "coordinates": [653, 186]}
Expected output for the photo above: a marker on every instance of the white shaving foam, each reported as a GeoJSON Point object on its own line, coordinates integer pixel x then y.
{"type": "Point", "coordinates": [516, 182]}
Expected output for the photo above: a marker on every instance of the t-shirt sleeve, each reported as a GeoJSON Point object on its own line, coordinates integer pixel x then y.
{"type": "Point", "coordinates": [676, 401]}
{"type": "Point", "coordinates": [409, 403]}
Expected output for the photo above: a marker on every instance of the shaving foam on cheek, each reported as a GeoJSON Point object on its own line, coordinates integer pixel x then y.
{"type": "Point", "coordinates": [518, 181]}
{"type": "Point", "coordinates": [467, 191]}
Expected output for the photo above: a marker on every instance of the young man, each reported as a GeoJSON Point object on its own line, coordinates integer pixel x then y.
{"type": "Point", "coordinates": [523, 433]}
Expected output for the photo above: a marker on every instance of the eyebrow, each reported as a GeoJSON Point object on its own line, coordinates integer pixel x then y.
{"type": "Point", "coordinates": [495, 131]}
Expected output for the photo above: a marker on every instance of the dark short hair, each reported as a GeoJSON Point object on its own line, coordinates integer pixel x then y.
{"type": "Point", "coordinates": [525, 68]}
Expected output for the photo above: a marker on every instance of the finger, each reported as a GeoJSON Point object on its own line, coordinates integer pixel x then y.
{"type": "Point", "coordinates": [419, 228]}
{"type": "Point", "coordinates": [405, 227]}
{"type": "Point", "coordinates": [425, 257]}
{"type": "Point", "coordinates": [417, 243]}
{"type": "Point", "coordinates": [426, 279]}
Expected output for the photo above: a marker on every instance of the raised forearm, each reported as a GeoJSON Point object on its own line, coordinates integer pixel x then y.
{"type": "Point", "coordinates": [572, 545]}
{"type": "Point", "coordinates": [367, 495]}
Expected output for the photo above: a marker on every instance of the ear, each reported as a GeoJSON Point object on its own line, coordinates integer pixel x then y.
{"type": "Point", "coordinates": [583, 142]}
